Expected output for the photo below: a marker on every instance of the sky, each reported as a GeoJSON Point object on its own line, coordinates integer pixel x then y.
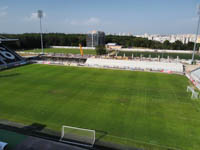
{"type": "Point", "coordinates": [110, 16]}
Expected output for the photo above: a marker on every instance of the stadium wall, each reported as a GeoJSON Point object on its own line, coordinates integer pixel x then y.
{"type": "Point", "coordinates": [156, 50]}
{"type": "Point", "coordinates": [72, 47]}
{"type": "Point", "coordinates": [194, 77]}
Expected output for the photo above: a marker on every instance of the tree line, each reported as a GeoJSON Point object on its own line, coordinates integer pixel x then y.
{"type": "Point", "coordinates": [32, 41]}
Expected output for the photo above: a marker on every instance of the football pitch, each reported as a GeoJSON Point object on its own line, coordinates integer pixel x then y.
{"type": "Point", "coordinates": [63, 50]}
{"type": "Point", "coordinates": [139, 109]}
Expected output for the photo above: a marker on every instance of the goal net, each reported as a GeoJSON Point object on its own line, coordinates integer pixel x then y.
{"type": "Point", "coordinates": [78, 136]}
{"type": "Point", "coordinates": [195, 95]}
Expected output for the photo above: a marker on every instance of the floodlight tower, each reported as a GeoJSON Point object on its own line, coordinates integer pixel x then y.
{"type": "Point", "coordinates": [195, 44]}
{"type": "Point", "coordinates": [92, 39]}
{"type": "Point", "coordinates": [40, 16]}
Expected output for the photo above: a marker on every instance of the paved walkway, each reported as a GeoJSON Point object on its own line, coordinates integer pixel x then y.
{"type": "Point", "coordinates": [33, 143]}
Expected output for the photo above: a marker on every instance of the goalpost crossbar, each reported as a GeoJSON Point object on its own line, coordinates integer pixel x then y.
{"type": "Point", "coordinates": [79, 136]}
{"type": "Point", "coordinates": [194, 95]}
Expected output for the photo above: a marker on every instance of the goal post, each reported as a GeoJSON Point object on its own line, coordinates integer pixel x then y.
{"type": "Point", "coordinates": [190, 89]}
{"type": "Point", "coordinates": [195, 95]}
{"type": "Point", "coordinates": [78, 136]}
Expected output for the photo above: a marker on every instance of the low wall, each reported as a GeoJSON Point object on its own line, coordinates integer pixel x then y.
{"type": "Point", "coordinates": [156, 50]}
{"type": "Point", "coordinates": [194, 82]}
{"type": "Point", "coordinates": [132, 49]}
{"type": "Point", "coordinates": [72, 47]}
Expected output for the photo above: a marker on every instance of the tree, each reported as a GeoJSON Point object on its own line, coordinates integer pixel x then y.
{"type": "Point", "coordinates": [101, 50]}
{"type": "Point", "coordinates": [190, 46]}
{"type": "Point", "coordinates": [177, 45]}
{"type": "Point", "coordinates": [166, 45]}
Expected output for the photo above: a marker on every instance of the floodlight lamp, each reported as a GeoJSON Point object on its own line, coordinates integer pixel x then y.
{"type": "Point", "coordinates": [40, 14]}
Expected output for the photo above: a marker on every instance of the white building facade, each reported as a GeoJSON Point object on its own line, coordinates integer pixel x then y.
{"type": "Point", "coordinates": [184, 38]}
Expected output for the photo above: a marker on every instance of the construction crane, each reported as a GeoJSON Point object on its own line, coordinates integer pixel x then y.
{"type": "Point", "coordinates": [81, 49]}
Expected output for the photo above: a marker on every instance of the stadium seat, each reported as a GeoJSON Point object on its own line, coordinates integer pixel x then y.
{"type": "Point", "coordinates": [135, 65]}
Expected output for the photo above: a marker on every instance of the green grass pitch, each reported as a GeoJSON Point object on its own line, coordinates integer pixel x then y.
{"type": "Point", "coordinates": [140, 109]}
{"type": "Point", "coordinates": [63, 50]}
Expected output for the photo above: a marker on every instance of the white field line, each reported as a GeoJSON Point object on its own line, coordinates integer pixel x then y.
{"type": "Point", "coordinates": [194, 106]}
{"type": "Point", "coordinates": [145, 101]}
{"type": "Point", "coordinates": [172, 102]}
{"type": "Point", "coordinates": [142, 142]}
{"type": "Point", "coordinates": [174, 93]}
{"type": "Point", "coordinates": [181, 118]}
{"type": "Point", "coordinates": [184, 118]}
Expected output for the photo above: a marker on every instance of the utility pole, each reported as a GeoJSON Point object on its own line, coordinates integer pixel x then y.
{"type": "Point", "coordinates": [195, 44]}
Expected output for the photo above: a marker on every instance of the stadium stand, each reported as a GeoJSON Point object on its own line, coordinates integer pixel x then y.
{"type": "Point", "coordinates": [136, 65]}
{"type": "Point", "coordinates": [3, 145]}
{"type": "Point", "coordinates": [196, 75]}
{"type": "Point", "coordinates": [9, 58]}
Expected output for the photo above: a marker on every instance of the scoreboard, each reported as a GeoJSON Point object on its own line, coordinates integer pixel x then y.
{"type": "Point", "coordinates": [9, 57]}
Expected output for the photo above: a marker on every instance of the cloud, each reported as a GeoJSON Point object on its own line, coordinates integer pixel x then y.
{"type": "Point", "coordinates": [3, 14]}
{"type": "Point", "coordinates": [74, 22]}
{"type": "Point", "coordinates": [92, 21]}
{"type": "Point", "coordinates": [195, 19]}
{"type": "Point", "coordinates": [3, 11]}
{"type": "Point", "coordinates": [3, 8]}
{"type": "Point", "coordinates": [33, 16]}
